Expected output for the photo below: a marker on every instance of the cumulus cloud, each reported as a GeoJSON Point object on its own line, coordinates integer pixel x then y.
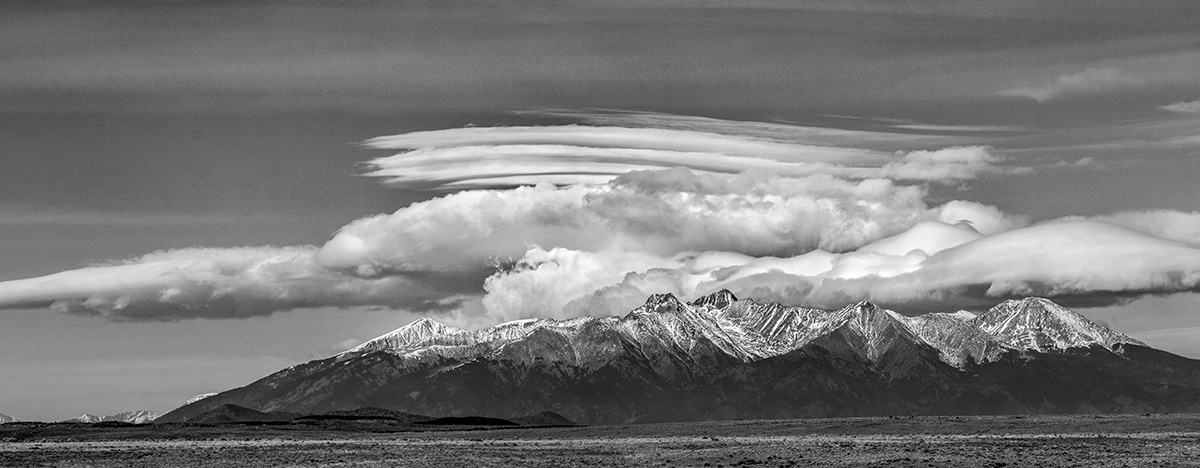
{"type": "Point", "coordinates": [1092, 80]}
{"type": "Point", "coordinates": [933, 266]}
{"type": "Point", "coordinates": [658, 212]}
{"type": "Point", "coordinates": [1183, 107]}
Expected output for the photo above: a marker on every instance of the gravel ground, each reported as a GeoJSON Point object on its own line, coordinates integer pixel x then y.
{"type": "Point", "coordinates": [860, 442]}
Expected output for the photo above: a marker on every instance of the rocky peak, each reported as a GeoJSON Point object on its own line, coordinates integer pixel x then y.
{"type": "Point", "coordinates": [717, 300]}
{"type": "Point", "coordinates": [1038, 324]}
{"type": "Point", "coordinates": [665, 303]}
{"type": "Point", "coordinates": [413, 334]}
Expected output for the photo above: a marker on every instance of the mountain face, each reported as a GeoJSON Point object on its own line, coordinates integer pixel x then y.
{"type": "Point", "coordinates": [4, 418]}
{"type": "Point", "coordinates": [723, 358]}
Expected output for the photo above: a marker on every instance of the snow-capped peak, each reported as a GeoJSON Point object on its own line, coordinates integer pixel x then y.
{"type": "Point", "coordinates": [413, 334]}
{"type": "Point", "coordinates": [135, 417]}
{"type": "Point", "coordinates": [671, 332]}
{"type": "Point", "coordinates": [1039, 324]}
{"type": "Point", "coordinates": [717, 300]}
{"type": "Point", "coordinates": [660, 303]}
{"type": "Point", "coordinates": [4, 418]}
{"type": "Point", "coordinates": [86, 418]}
{"type": "Point", "coordinates": [871, 329]}
{"type": "Point", "coordinates": [960, 315]}
{"type": "Point", "coordinates": [199, 397]}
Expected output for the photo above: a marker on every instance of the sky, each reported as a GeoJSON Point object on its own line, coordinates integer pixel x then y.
{"type": "Point", "coordinates": [197, 194]}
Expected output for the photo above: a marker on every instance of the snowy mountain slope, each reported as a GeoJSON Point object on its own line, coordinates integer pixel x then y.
{"type": "Point", "coordinates": [956, 337]}
{"type": "Point", "coordinates": [199, 397]}
{"type": "Point", "coordinates": [721, 357]}
{"type": "Point", "coordinates": [4, 418]}
{"type": "Point", "coordinates": [669, 332]}
{"type": "Point", "coordinates": [1039, 324]}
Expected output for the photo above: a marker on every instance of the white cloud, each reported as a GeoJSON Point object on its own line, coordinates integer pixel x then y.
{"type": "Point", "coordinates": [1092, 80]}
{"type": "Point", "coordinates": [659, 212]}
{"type": "Point", "coordinates": [633, 211]}
{"type": "Point", "coordinates": [1183, 107]}
{"type": "Point", "coordinates": [477, 157]}
{"type": "Point", "coordinates": [218, 283]}
{"type": "Point", "coordinates": [435, 254]}
{"type": "Point", "coordinates": [882, 139]}
{"type": "Point", "coordinates": [1167, 224]}
{"type": "Point", "coordinates": [932, 266]}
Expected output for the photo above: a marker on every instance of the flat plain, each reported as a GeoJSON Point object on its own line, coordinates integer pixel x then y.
{"type": "Point", "coordinates": [937, 441]}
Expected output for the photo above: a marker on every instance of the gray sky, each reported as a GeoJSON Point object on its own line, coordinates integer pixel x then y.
{"type": "Point", "coordinates": [132, 127]}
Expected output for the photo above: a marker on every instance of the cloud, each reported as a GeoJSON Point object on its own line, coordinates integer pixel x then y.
{"type": "Point", "coordinates": [1092, 80]}
{"type": "Point", "coordinates": [433, 256]}
{"type": "Point", "coordinates": [933, 266]}
{"type": "Point", "coordinates": [220, 283]}
{"type": "Point", "coordinates": [591, 219]}
{"type": "Point", "coordinates": [1167, 224]}
{"type": "Point", "coordinates": [659, 212]}
{"type": "Point", "coordinates": [873, 134]}
{"type": "Point", "coordinates": [1183, 107]}
{"type": "Point", "coordinates": [474, 157]}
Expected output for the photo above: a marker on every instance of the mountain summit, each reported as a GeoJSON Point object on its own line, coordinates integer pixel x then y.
{"type": "Point", "coordinates": [720, 357]}
{"type": "Point", "coordinates": [1039, 324]}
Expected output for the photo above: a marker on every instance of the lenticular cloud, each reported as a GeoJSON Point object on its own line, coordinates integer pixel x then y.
{"type": "Point", "coordinates": [561, 221]}
{"type": "Point", "coordinates": [572, 154]}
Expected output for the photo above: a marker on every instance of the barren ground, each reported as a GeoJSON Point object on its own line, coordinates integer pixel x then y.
{"type": "Point", "coordinates": [1084, 441]}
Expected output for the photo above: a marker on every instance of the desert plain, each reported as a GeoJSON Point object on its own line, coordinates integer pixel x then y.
{"type": "Point", "coordinates": [1150, 440]}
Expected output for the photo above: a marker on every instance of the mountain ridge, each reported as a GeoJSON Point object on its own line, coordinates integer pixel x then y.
{"type": "Point", "coordinates": [719, 357]}
{"type": "Point", "coordinates": [134, 417]}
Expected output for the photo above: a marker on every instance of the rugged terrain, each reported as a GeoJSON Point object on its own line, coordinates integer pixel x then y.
{"type": "Point", "coordinates": [718, 357]}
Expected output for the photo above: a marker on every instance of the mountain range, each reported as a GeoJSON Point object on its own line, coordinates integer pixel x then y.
{"type": "Point", "coordinates": [135, 417]}
{"type": "Point", "coordinates": [719, 357]}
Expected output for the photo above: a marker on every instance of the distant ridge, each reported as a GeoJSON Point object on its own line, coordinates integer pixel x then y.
{"type": "Point", "coordinates": [468, 421]}
{"type": "Point", "coordinates": [4, 418]}
{"type": "Point", "coordinates": [132, 417]}
{"type": "Point", "coordinates": [720, 357]}
{"type": "Point", "coordinates": [228, 413]}
{"type": "Point", "coordinates": [369, 414]}
{"type": "Point", "coordinates": [545, 418]}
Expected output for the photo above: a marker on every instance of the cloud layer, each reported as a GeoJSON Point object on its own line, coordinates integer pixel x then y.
{"type": "Point", "coordinates": [1183, 107]}
{"type": "Point", "coordinates": [475, 157]}
{"type": "Point", "coordinates": [219, 283]}
{"type": "Point", "coordinates": [1092, 80]}
{"type": "Point", "coordinates": [560, 221]}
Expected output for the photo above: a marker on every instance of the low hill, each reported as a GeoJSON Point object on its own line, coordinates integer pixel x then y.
{"type": "Point", "coordinates": [468, 421]}
{"type": "Point", "coordinates": [545, 418]}
{"type": "Point", "coordinates": [228, 413]}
